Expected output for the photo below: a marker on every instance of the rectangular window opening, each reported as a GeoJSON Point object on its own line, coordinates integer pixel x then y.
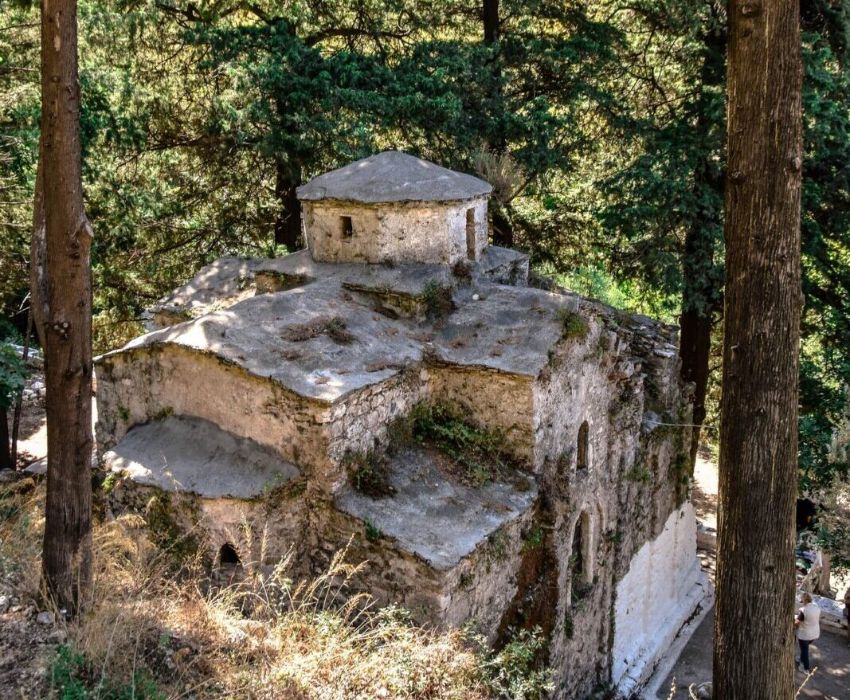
{"type": "Point", "coordinates": [470, 234]}
{"type": "Point", "coordinates": [346, 227]}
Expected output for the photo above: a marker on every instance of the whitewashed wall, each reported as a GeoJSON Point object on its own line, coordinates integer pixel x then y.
{"type": "Point", "coordinates": [655, 598]}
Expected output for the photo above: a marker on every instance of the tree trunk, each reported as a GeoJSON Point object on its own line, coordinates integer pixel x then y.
{"type": "Point", "coordinates": [754, 641]}
{"type": "Point", "coordinates": [491, 21]}
{"type": "Point", "coordinates": [701, 293]}
{"type": "Point", "coordinates": [5, 447]}
{"type": "Point", "coordinates": [66, 562]}
{"type": "Point", "coordinates": [503, 230]}
{"type": "Point", "coordinates": [287, 225]}
{"type": "Point", "coordinates": [695, 350]}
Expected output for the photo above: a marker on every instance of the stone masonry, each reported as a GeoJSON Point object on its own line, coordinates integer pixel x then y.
{"type": "Point", "coordinates": [263, 380]}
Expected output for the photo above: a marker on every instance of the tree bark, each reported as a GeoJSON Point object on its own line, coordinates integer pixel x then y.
{"type": "Point", "coordinates": [491, 21]}
{"type": "Point", "coordinates": [754, 641]}
{"type": "Point", "coordinates": [695, 328]}
{"type": "Point", "coordinates": [701, 294]}
{"type": "Point", "coordinates": [66, 561]}
{"type": "Point", "coordinates": [287, 225]}
{"type": "Point", "coordinates": [5, 447]}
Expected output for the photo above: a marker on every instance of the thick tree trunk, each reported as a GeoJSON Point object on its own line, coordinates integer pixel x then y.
{"type": "Point", "coordinates": [754, 641]}
{"type": "Point", "coordinates": [695, 350]}
{"type": "Point", "coordinates": [287, 225]}
{"type": "Point", "coordinates": [503, 230]}
{"type": "Point", "coordinates": [66, 562]}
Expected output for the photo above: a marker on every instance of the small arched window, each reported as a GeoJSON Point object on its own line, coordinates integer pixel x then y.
{"type": "Point", "coordinates": [470, 234]}
{"type": "Point", "coordinates": [577, 562]}
{"type": "Point", "coordinates": [582, 448]}
{"type": "Point", "coordinates": [581, 559]}
{"type": "Point", "coordinates": [227, 555]}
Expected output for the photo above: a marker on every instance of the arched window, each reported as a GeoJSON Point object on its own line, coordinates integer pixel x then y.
{"type": "Point", "coordinates": [581, 558]}
{"type": "Point", "coordinates": [227, 555]}
{"type": "Point", "coordinates": [577, 563]}
{"type": "Point", "coordinates": [582, 448]}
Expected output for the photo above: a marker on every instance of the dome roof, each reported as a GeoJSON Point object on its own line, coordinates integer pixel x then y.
{"type": "Point", "coordinates": [393, 176]}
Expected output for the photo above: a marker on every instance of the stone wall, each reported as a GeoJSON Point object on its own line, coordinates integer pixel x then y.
{"type": "Point", "coordinates": [142, 384]}
{"type": "Point", "coordinates": [493, 399]}
{"type": "Point", "coordinates": [572, 390]}
{"type": "Point", "coordinates": [654, 598]}
{"type": "Point", "coordinates": [361, 421]}
{"type": "Point", "coordinates": [426, 232]}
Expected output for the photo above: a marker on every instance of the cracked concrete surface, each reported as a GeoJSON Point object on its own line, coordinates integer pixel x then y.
{"type": "Point", "coordinates": [428, 504]}
{"type": "Point", "coordinates": [183, 453]}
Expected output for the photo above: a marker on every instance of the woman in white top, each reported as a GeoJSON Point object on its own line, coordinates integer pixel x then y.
{"type": "Point", "coordinates": [808, 628]}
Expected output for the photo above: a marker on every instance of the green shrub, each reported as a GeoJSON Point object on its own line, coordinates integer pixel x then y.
{"type": "Point", "coordinates": [368, 473]}
{"type": "Point", "coordinates": [13, 373]}
{"type": "Point", "coordinates": [574, 325]}
{"type": "Point", "coordinates": [480, 454]}
{"type": "Point", "coordinates": [517, 671]}
{"type": "Point", "coordinates": [72, 677]}
{"type": "Point", "coordinates": [373, 533]}
{"type": "Point", "coordinates": [436, 299]}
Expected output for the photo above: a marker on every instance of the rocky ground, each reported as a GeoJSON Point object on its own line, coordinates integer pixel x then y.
{"type": "Point", "coordinates": [28, 641]}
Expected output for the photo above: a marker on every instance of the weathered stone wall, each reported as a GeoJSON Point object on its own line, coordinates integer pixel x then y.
{"type": "Point", "coordinates": [493, 399]}
{"type": "Point", "coordinates": [139, 385]}
{"type": "Point", "coordinates": [389, 574]}
{"type": "Point", "coordinates": [262, 531]}
{"type": "Point", "coordinates": [624, 386]}
{"type": "Point", "coordinates": [428, 232]}
{"type": "Point", "coordinates": [361, 421]}
{"type": "Point", "coordinates": [480, 588]}
{"type": "Point", "coordinates": [574, 388]}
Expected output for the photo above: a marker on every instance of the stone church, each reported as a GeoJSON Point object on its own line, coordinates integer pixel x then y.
{"type": "Point", "coordinates": [298, 398]}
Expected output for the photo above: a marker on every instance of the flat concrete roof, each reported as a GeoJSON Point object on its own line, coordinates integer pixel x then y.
{"type": "Point", "coordinates": [433, 516]}
{"type": "Point", "coordinates": [282, 336]}
{"type": "Point", "coordinates": [393, 176]}
{"type": "Point", "coordinates": [184, 453]}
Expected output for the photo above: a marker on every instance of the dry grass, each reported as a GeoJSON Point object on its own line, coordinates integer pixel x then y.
{"type": "Point", "coordinates": [263, 637]}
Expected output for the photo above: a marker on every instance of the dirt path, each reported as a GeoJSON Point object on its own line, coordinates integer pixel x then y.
{"type": "Point", "coordinates": [705, 490]}
{"type": "Point", "coordinates": [831, 653]}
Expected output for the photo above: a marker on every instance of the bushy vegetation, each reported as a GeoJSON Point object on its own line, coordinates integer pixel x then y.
{"type": "Point", "coordinates": [368, 473]}
{"type": "Point", "coordinates": [480, 454]}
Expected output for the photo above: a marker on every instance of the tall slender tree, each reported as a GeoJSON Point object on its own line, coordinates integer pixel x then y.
{"type": "Point", "coordinates": [753, 655]}
{"type": "Point", "coordinates": [63, 303]}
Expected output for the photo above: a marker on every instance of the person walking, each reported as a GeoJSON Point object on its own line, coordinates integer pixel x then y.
{"type": "Point", "coordinates": [808, 629]}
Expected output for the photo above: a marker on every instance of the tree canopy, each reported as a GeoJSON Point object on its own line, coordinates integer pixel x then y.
{"type": "Point", "coordinates": [601, 124]}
